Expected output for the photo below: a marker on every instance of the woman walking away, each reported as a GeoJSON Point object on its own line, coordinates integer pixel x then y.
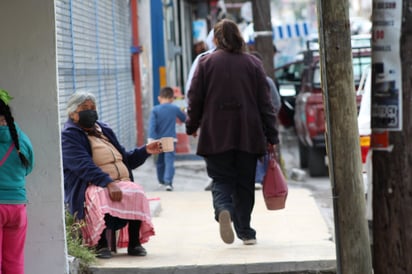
{"type": "Point", "coordinates": [229, 100]}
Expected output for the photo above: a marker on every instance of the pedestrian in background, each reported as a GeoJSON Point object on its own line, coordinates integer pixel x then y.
{"type": "Point", "coordinates": [98, 180]}
{"type": "Point", "coordinates": [210, 48]}
{"type": "Point", "coordinates": [162, 123]}
{"type": "Point", "coordinates": [17, 160]}
{"type": "Point", "coordinates": [192, 70]}
{"type": "Point", "coordinates": [263, 161]}
{"type": "Point", "coordinates": [229, 100]}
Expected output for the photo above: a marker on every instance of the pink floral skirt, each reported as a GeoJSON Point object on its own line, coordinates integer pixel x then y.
{"type": "Point", "coordinates": [133, 206]}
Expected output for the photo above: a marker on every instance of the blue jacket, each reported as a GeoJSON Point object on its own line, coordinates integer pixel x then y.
{"type": "Point", "coordinates": [162, 122]}
{"type": "Point", "coordinates": [12, 172]}
{"type": "Point", "coordinates": [79, 168]}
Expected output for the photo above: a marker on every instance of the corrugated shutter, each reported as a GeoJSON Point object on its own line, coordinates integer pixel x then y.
{"type": "Point", "coordinates": [93, 46]}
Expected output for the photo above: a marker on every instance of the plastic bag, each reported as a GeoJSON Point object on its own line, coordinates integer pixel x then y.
{"type": "Point", "coordinates": [275, 188]}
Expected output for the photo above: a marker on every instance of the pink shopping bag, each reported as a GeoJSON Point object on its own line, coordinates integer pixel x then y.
{"type": "Point", "coordinates": [275, 188]}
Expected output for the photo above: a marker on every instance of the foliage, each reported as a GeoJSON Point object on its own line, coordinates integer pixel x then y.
{"type": "Point", "coordinates": [74, 241]}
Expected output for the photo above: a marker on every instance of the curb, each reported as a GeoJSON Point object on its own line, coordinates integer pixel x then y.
{"type": "Point", "coordinates": [307, 267]}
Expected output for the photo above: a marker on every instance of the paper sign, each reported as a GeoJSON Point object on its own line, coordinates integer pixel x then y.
{"type": "Point", "coordinates": [386, 67]}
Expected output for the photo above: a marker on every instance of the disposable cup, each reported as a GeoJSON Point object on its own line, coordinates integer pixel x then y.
{"type": "Point", "coordinates": [167, 144]}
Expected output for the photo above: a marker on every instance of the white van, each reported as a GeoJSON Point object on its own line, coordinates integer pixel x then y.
{"type": "Point", "coordinates": [364, 126]}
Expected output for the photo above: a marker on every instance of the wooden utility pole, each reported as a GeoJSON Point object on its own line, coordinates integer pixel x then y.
{"type": "Point", "coordinates": [342, 138]}
{"type": "Point", "coordinates": [392, 172]}
{"type": "Point", "coordinates": [262, 25]}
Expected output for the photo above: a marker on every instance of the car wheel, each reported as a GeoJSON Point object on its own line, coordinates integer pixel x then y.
{"type": "Point", "coordinates": [316, 162]}
{"type": "Point", "coordinates": [303, 155]}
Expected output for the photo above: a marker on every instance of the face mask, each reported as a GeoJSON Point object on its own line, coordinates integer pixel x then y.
{"type": "Point", "coordinates": [87, 118]}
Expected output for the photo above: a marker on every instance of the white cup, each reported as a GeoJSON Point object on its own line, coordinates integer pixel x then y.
{"type": "Point", "coordinates": [167, 144]}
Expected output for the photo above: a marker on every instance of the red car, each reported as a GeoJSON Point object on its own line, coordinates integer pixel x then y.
{"type": "Point", "coordinates": [309, 116]}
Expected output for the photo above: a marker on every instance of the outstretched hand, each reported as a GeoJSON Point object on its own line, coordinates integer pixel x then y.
{"type": "Point", "coordinates": [154, 147]}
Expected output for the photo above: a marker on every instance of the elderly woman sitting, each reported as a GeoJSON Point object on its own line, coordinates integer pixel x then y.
{"type": "Point", "coordinates": [98, 179]}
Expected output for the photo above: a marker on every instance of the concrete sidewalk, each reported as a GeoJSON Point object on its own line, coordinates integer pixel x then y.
{"type": "Point", "coordinates": [293, 240]}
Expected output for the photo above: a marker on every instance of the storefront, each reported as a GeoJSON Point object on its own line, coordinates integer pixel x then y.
{"type": "Point", "coordinates": [94, 54]}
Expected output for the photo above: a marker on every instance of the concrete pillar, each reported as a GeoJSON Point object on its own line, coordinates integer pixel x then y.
{"type": "Point", "coordinates": [145, 40]}
{"type": "Point", "coordinates": [28, 71]}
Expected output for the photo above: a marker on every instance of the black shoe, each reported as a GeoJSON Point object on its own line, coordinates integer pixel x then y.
{"type": "Point", "coordinates": [103, 253]}
{"type": "Point", "coordinates": [136, 251]}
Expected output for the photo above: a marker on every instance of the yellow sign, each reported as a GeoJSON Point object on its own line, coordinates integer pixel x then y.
{"type": "Point", "coordinates": [162, 76]}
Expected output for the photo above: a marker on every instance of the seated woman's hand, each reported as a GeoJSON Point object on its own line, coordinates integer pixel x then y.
{"type": "Point", "coordinates": [115, 192]}
{"type": "Point", "coordinates": [154, 147]}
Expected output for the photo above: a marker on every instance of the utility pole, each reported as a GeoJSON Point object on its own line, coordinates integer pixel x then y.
{"type": "Point", "coordinates": [262, 25]}
{"type": "Point", "coordinates": [342, 138]}
{"type": "Point", "coordinates": [392, 169]}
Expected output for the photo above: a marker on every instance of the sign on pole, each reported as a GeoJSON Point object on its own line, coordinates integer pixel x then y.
{"type": "Point", "coordinates": [386, 66]}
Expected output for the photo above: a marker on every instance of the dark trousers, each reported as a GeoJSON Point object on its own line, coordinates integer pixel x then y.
{"type": "Point", "coordinates": [233, 187]}
{"type": "Point", "coordinates": [115, 223]}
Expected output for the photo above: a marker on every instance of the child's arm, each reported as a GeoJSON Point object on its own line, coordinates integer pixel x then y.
{"type": "Point", "coordinates": [152, 125]}
{"type": "Point", "coordinates": [181, 115]}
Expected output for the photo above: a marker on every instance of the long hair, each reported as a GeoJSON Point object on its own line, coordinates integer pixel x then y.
{"type": "Point", "coordinates": [228, 37]}
{"type": "Point", "coordinates": [5, 110]}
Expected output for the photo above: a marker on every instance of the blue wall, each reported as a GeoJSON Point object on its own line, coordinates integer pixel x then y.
{"type": "Point", "coordinates": [158, 48]}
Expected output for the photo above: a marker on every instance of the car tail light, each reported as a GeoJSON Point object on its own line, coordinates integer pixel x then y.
{"type": "Point", "coordinates": [365, 142]}
{"type": "Point", "coordinates": [311, 121]}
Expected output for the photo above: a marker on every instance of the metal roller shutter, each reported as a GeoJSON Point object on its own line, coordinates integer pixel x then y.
{"type": "Point", "coordinates": [93, 46]}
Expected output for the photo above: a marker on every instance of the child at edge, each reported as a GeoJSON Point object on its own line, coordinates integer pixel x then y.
{"type": "Point", "coordinates": [16, 162]}
{"type": "Point", "coordinates": [162, 123]}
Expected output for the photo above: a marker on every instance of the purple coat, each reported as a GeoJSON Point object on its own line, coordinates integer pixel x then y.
{"type": "Point", "coordinates": [229, 100]}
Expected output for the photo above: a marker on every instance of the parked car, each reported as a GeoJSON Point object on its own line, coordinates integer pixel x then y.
{"type": "Point", "coordinates": [309, 117]}
{"type": "Point", "coordinates": [288, 77]}
{"type": "Point", "coordinates": [364, 126]}
{"type": "Point", "coordinates": [288, 80]}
